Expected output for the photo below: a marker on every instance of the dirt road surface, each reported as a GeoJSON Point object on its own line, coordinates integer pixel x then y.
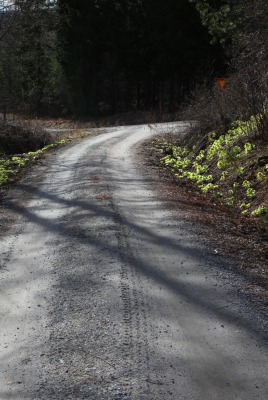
{"type": "Point", "coordinates": [106, 294]}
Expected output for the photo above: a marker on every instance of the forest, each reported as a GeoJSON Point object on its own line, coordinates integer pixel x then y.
{"type": "Point", "coordinates": [101, 57]}
{"type": "Point", "coordinates": [93, 58]}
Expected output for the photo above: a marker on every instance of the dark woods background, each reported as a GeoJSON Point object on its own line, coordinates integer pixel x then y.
{"type": "Point", "coordinates": [124, 55]}
{"type": "Point", "coordinates": [100, 57]}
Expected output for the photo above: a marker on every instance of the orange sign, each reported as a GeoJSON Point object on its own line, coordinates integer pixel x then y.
{"type": "Point", "coordinates": [221, 83]}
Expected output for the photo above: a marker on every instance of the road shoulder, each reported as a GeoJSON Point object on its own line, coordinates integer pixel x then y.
{"type": "Point", "coordinates": [225, 235]}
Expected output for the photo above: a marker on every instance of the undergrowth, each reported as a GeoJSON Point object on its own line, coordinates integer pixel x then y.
{"type": "Point", "coordinates": [232, 167]}
{"type": "Point", "coordinates": [11, 166]}
{"type": "Point", "coordinates": [18, 139]}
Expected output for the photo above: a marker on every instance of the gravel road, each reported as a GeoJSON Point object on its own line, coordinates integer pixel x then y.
{"type": "Point", "coordinates": [107, 294]}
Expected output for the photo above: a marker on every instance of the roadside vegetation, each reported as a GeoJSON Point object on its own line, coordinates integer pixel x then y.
{"type": "Point", "coordinates": [20, 147]}
{"type": "Point", "coordinates": [232, 167]}
{"type": "Point", "coordinates": [225, 152]}
{"type": "Point", "coordinates": [11, 167]}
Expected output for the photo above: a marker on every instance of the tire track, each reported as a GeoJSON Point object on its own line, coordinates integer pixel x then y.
{"type": "Point", "coordinates": [135, 309]}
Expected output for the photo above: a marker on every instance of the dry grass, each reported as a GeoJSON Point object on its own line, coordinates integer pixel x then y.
{"type": "Point", "coordinates": [17, 139]}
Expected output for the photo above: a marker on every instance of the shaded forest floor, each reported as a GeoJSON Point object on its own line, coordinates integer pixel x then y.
{"type": "Point", "coordinates": [127, 118]}
{"type": "Point", "coordinates": [222, 228]}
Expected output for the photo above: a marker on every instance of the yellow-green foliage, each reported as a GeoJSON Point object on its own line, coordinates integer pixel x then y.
{"type": "Point", "coordinates": [10, 167]}
{"type": "Point", "coordinates": [261, 211]}
{"type": "Point", "coordinates": [223, 162]}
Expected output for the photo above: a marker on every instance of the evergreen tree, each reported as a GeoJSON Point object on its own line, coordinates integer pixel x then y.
{"type": "Point", "coordinates": [129, 54]}
{"type": "Point", "coordinates": [28, 56]}
{"type": "Point", "coordinates": [82, 48]}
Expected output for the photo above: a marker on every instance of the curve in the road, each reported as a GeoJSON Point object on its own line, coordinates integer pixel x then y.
{"type": "Point", "coordinates": [107, 294]}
